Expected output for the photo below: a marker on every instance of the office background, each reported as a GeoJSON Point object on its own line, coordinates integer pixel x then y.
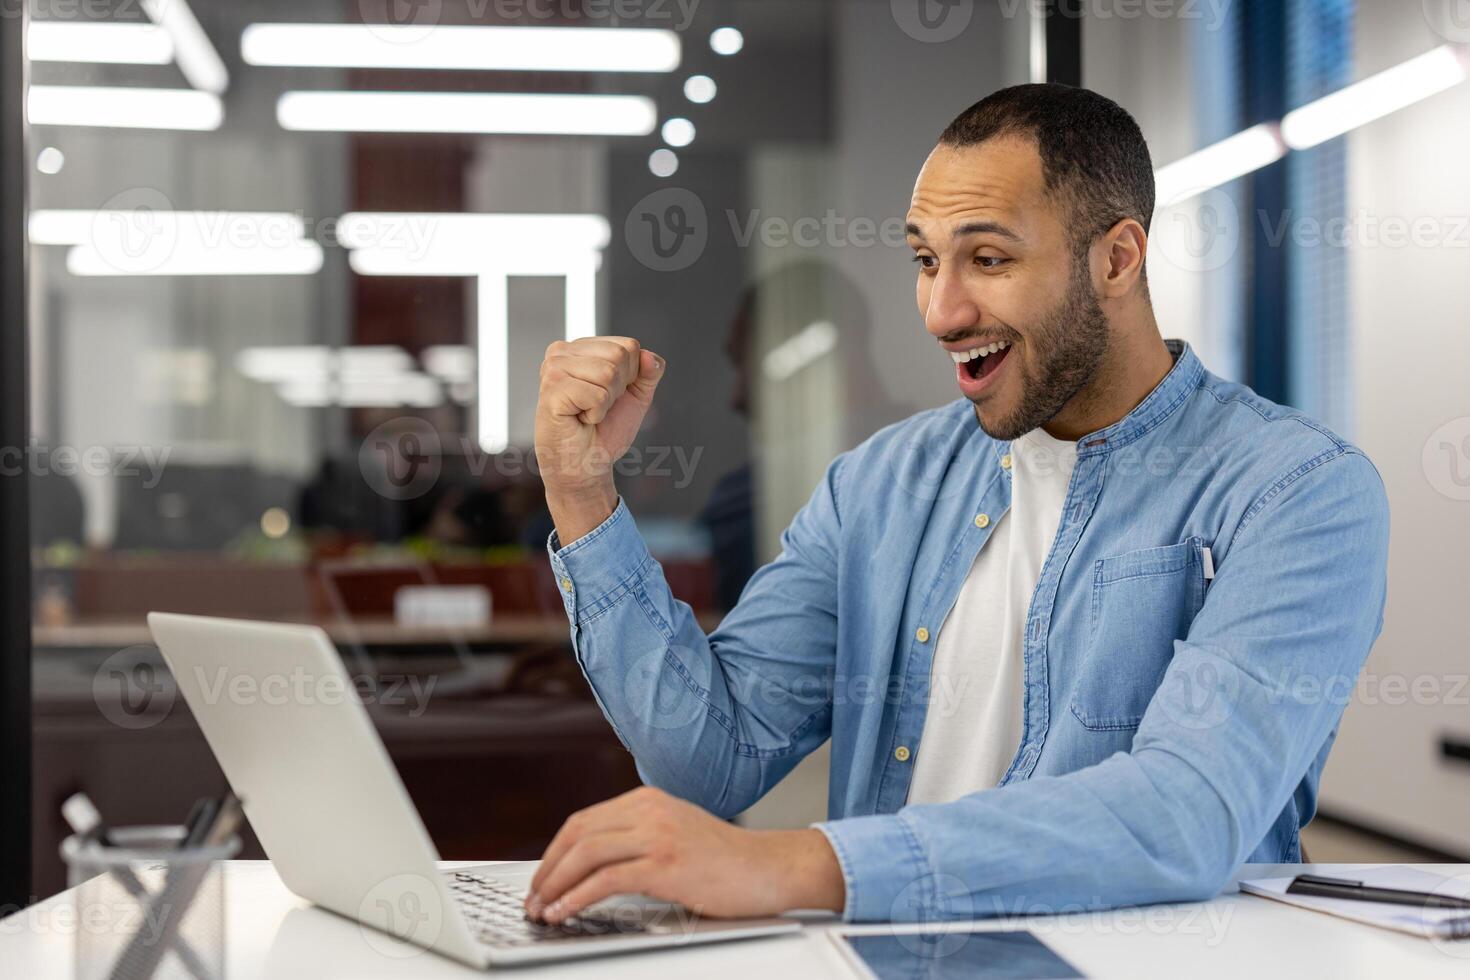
{"type": "Point", "coordinates": [274, 301]}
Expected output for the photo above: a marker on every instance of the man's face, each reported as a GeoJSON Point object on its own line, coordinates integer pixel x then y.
{"type": "Point", "coordinates": [996, 270]}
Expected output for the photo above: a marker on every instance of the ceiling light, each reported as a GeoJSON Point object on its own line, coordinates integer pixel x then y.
{"type": "Point", "coordinates": [663, 162]}
{"type": "Point", "coordinates": [467, 112]}
{"type": "Point", "coordinates": [123, 108]}
{"type": "Point", "coordinates": [98, 42]}
{"type": "Point", "coordinates": [726, 40]}
{"type": "Point", "coordinates": [678, 132]}
{"type": "Point", "coordinates": [599, 49]}
{"type": "Point", "coordinates": [197, 58]}
{"type": "Point", "coordinates": [50, 160]}
{"type": "Point", "coordinates": [700, 89]}
{"type": "Point", "coordinates": [1218, 164]}
{"type": "Point", "coordinates": [189, 258]}
{"type": "Point", "coordinates": [1373, 97]}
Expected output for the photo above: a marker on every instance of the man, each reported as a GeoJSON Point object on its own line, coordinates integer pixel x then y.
{"type": "Point", "coordinates": [1073, 636]}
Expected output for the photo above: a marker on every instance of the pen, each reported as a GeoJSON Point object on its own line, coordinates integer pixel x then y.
{"type": "Point", "coordinates": [1356, 891]}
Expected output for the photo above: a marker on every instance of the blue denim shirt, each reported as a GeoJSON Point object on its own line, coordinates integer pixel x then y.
{"type": "Point", "coordinates": [1214, 587]}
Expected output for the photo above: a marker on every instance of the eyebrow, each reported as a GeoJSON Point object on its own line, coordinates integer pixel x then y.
{"type": "Point", "coordinates": [970, 228]}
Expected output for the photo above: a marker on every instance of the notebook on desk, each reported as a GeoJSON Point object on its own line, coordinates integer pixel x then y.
{"type": "Point", "coordinates": [1430, 923]}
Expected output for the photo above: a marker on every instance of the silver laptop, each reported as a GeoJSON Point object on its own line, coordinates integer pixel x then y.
{"type": "Point", "coordinates": [295, 741]}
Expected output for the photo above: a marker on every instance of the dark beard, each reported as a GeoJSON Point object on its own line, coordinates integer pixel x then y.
{"type": "Point", "coordinates": [1071, 343]}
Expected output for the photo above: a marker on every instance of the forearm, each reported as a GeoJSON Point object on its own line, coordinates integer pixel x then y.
{"type": "Point", "coordinates": [577, 512]}
{"type": "Point", "coordinates": [696, 717]}
{"type": "Point", "coordinates": [1120, 833]}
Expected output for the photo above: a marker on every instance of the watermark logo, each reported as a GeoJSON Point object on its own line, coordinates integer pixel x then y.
{"type": "Point", "coordinates": [1199, 694]}
{"type": "Point", "coordinates": [401, 459]}
{"type": "Point", "coordinates": [1450, 19]}
{"type": "Point", "coordinates": [932, 21]}
{"type": "Point", "coordinates": [668, 703]}
{"type": "Point", "coordinates": [667, 230]}
{"type": "Point", "coordinates": [933, 899]}
{"type": "Point", "coordinates": [1446, 458]}
{"type": "Point", "coordinates": [132, 689]}
{"type": "Point", "coordinates": [135, 231]}
{"type": "Point", "coordinates": [407, 907]}
{"type": "Point", "coordinates": [400, 21]}
{"type": "Point", "coordinates": [1199, 233]}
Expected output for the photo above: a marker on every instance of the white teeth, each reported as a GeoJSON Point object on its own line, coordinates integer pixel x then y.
{"type": "Point", "coordinates": [961, 356]}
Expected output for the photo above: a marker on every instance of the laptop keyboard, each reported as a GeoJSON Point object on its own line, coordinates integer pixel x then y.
{"type": "Point", "coordinates": [497, 915]}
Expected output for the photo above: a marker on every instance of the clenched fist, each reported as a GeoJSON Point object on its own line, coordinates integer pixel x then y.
{"type": "Point", "coordinates": [594, 395]}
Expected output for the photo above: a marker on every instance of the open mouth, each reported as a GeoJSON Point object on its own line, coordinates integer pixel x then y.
{"type": "Point", "coordinates": [979, 363]}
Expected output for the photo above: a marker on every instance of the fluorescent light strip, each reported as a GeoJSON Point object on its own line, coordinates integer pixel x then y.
{"type": "Point", "coordinates": [1373, 97]}
{"type": "Point", "coordinates": [197, 58]}
{"type": "Point", "coordinates": [123, 108]}
{"type": "Point", "coordinates": [812, 342]}
{"type": "Point", "coordinates": [599, 49]}
{"type": "Point", "coordinates": [467, 112]}
{"type": "Point", "coordinates": [1218, 164]}
{"type": "Point", "coordinates": [492, 340]}
{"type": "Point", "coordinates": [68, 226]}
{"type": "Point", "coordinates": [449, 234]}
{"type": "Point", "coordinates": [98, 43]}
{"type": "Point", "coordinates": [302, 258]}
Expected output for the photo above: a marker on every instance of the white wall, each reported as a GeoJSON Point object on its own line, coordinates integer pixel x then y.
{"type": "Point", "coordinates": [1411, 327]}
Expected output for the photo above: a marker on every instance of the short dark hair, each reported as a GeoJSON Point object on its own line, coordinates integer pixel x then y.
{"type": "Point", "coordinates": [1091, 150]}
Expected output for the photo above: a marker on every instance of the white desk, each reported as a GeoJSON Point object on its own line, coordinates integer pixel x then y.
{"type": "Point", "coordinates": [273, 934]}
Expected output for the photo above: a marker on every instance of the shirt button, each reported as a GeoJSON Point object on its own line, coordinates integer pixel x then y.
{"type": "Point", "coordinates": [566, 585]}
{"type": "Point", "coordinates": [901, 753]}
{"type": "Point", "coordinates": [982, 520]}
{"type": "Point", "coordinates": [922, 635]}
{"type": "Point", "coordinates": [1005, 461]}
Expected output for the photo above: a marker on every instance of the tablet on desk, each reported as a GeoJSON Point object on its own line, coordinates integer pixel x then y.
{"type": "Point", "coordinates": [936, 955]}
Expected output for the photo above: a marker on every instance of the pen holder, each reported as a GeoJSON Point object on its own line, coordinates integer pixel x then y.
{"type": "Point", "coordinates": [145, 907]}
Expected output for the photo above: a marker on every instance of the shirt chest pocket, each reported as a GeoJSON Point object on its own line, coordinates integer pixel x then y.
{"type": "Point", "coordinates": [1142, 601]}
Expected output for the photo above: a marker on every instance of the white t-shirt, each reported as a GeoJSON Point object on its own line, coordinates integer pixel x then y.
{"type": "Point", "coordinates": [973, 725]}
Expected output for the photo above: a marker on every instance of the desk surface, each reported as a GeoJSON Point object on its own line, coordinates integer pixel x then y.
{"type": "Point", "coordinates": [273, 934]}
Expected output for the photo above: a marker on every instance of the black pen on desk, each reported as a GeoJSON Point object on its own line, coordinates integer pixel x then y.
{"type": "Point", "coordinates": [1356, 891]}
{"type": "Point", "coordinates": [201, 815]}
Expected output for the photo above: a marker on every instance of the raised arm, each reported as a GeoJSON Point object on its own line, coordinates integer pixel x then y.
{"type": "Point", "coordinates": [716, 720]}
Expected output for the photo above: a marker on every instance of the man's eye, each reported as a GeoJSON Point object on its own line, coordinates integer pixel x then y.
{"type": "Point", "coordinates": [990, 261]}
{"type": "Point", "coordinates": [926, 261]}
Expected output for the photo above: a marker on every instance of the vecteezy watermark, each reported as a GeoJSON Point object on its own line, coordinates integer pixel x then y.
{"type": "Point", "coordinates": [933, 21]}
{"type": "Point", "coordinates": [132, 688]}
{"type": "Point", "coordinates": [410, 21]}
{"type": "Point", "coordinates": [1198, 233]}
{"type": "Point", "coordinates": [1212, 12]}
{"type": "Point", "coordinates": [35, 459]}
{"type": "Point", "coordinates": [667, 230]}
{"type": "Point", "coordinates": [1450, 19]}
{"type": "Point", "coordinates": [408, 907]}
{"type": "Point", "coordinates": [123, 10]}
{"type": "Point", "coordinates": [1446, 458]}
{"type": "Point", "coordinates": [1371, 688]}
{"type": "Point", "coordinates": [301, 687]}
{"type": "Point", "coordinates": [830, 230]}
{"type": "Point", "coordinates": [402, 459]}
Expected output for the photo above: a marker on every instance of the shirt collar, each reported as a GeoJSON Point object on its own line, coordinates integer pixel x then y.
{"type": "Point", "coordinates": [1183, 378]}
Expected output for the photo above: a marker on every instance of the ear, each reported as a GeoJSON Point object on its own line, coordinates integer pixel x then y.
{"type": "Point", "coordinates": [1124, 248]}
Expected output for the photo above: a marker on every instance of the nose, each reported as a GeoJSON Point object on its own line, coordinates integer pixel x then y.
{"type": "Point", "coordinates": [950, 307]}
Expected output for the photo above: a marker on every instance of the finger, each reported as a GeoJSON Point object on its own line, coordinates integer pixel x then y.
{"type": "Point", "coordinates": [650, 370]}
{"type": "Point", "coordinates": [610, 815]}
{"type": "Point", "coordinates": [637, 876]}
{"type": "Point", "coordinates": [582, 859]}
{"type": "Point", "coordinates": [573, 396]}
{"type": "Point", "coordinates": [621, 351]}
